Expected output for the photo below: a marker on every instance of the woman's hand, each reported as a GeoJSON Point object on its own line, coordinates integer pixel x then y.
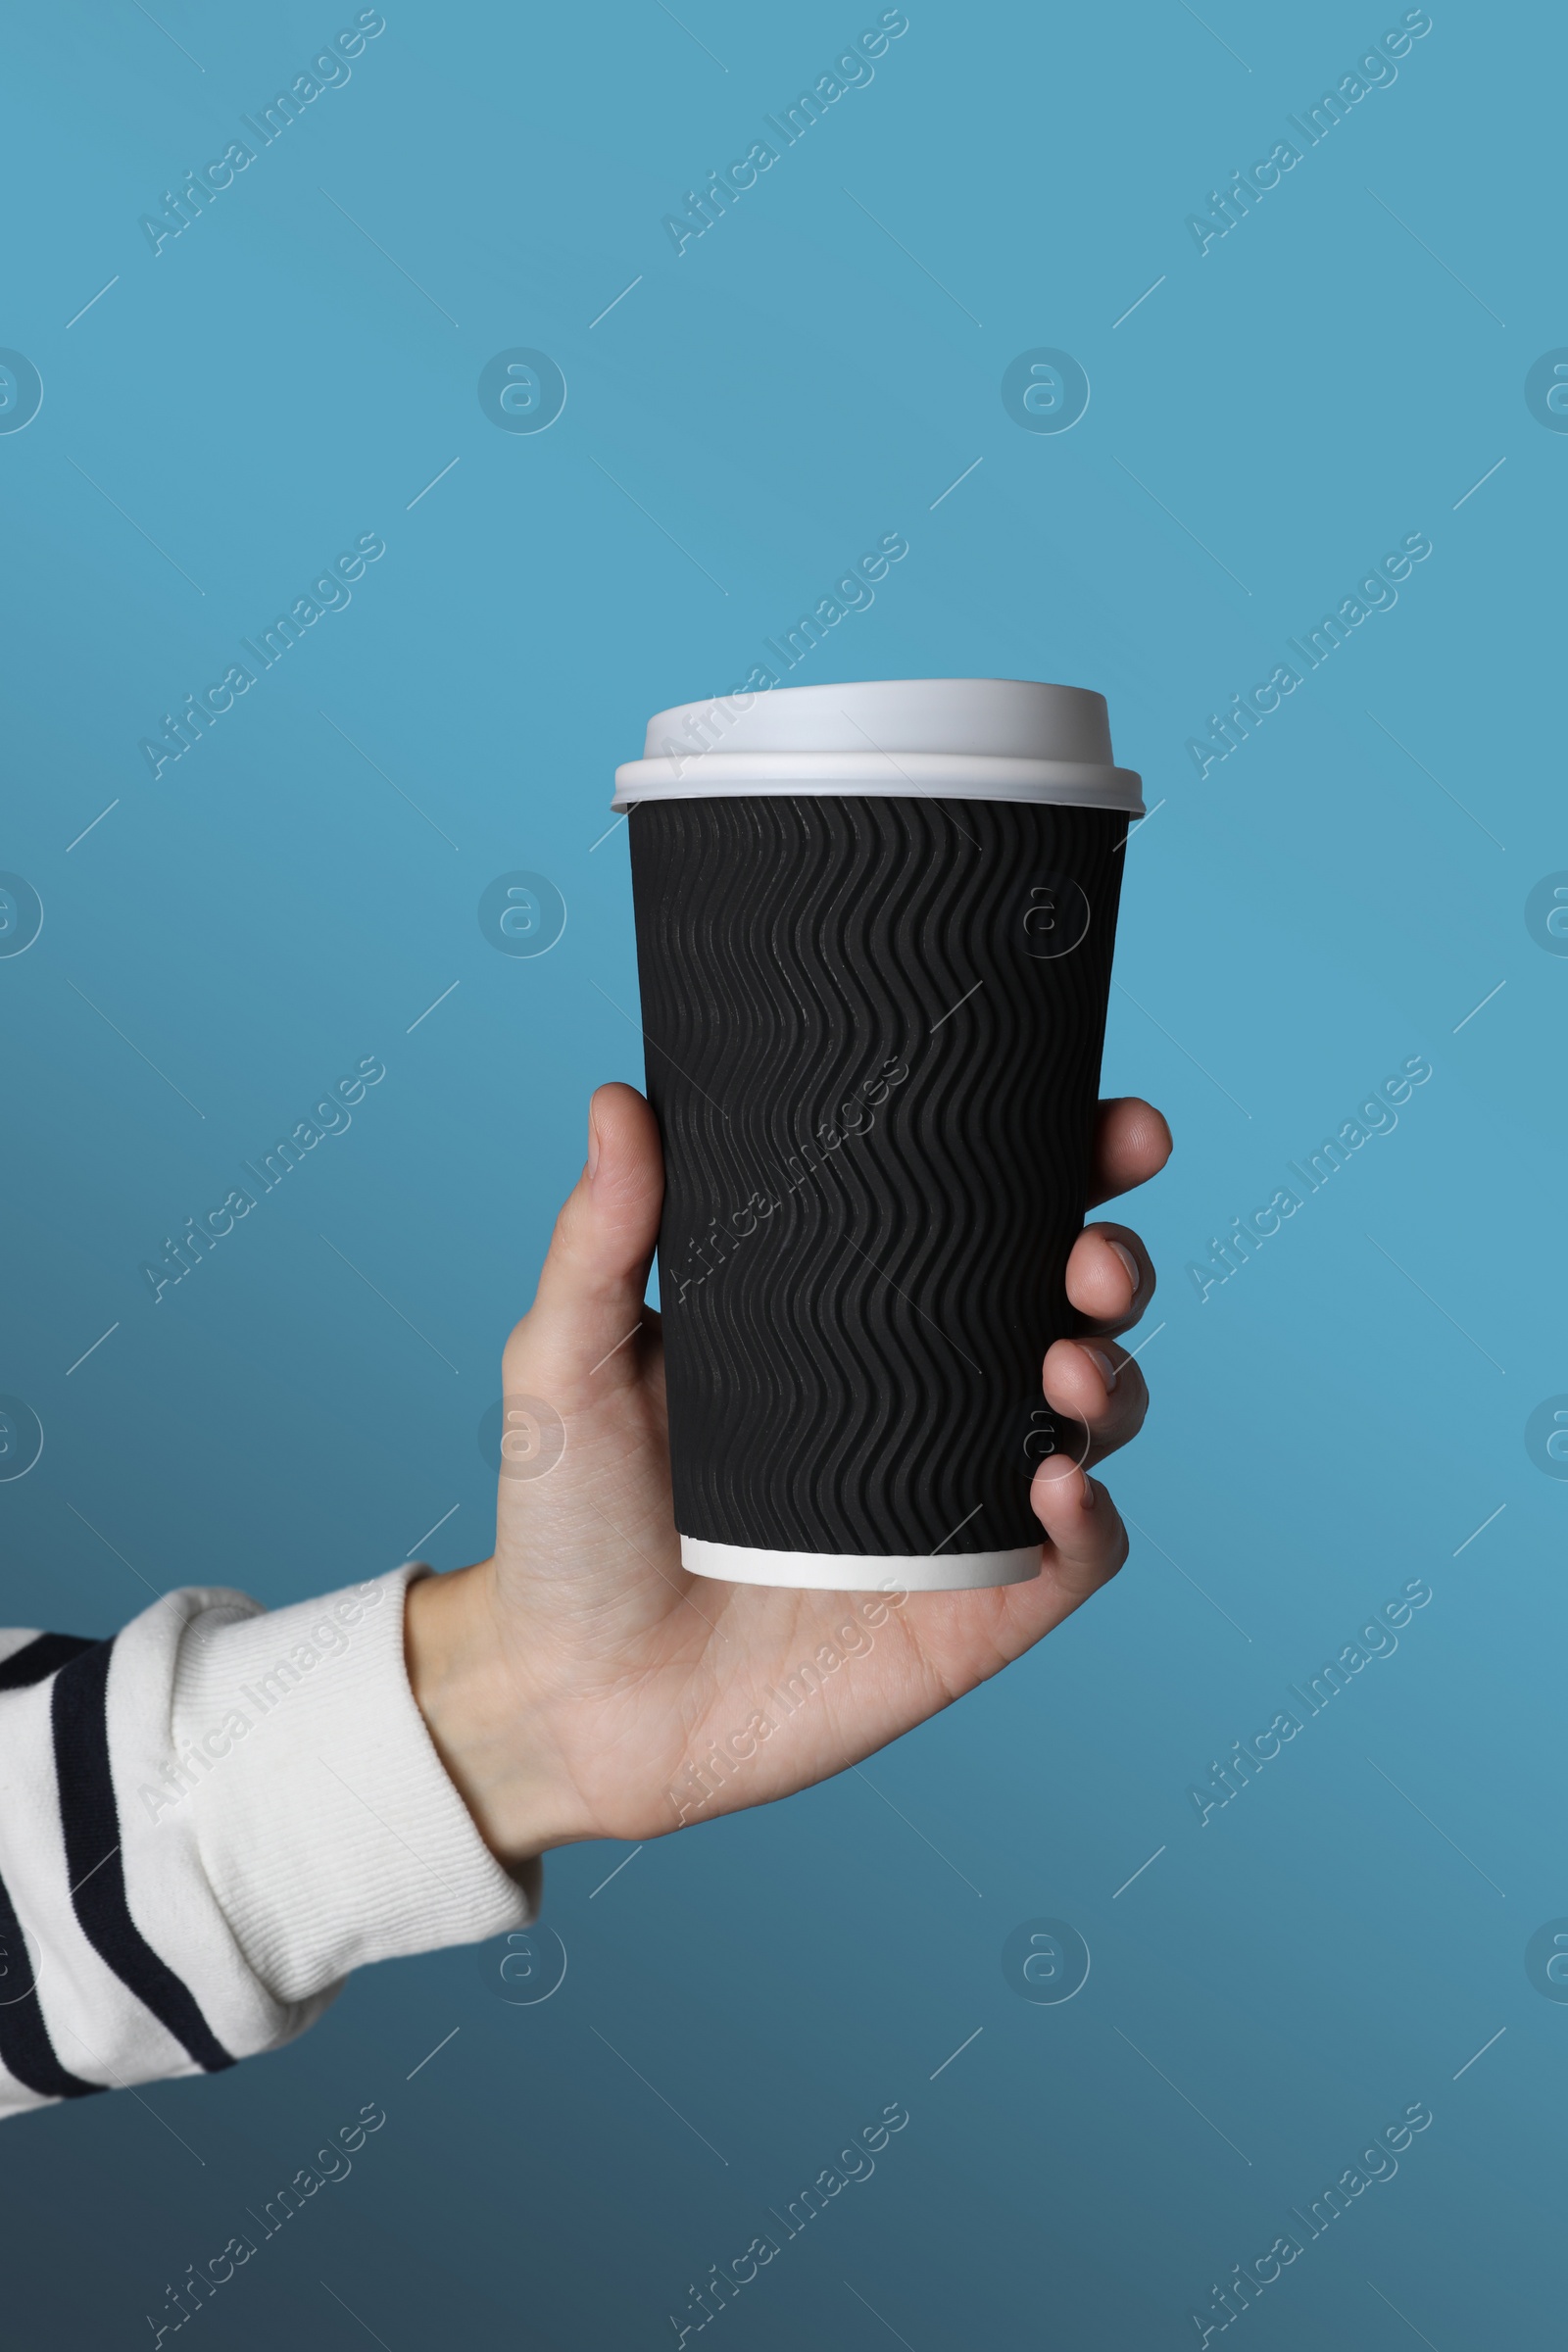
{"type": "Point", "coordinates": [582, 1684]}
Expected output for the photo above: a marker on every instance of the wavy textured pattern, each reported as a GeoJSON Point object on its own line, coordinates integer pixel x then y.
{"type": "Point", "coordinates": [861, 1270]}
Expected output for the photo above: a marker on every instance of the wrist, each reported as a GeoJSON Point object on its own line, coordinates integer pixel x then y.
{"type": "Point", "coordinates": [480, 1725]}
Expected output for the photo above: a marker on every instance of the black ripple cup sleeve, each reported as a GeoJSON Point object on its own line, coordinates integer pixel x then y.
{"type": "Point", "coordinates": [874, 1024]}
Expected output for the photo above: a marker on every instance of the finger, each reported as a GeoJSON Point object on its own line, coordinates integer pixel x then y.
{"type": "Point", "coordinates": [589, 1304]}
{"type": "Point", "coordinates": [1100, 1385]}
{"type": "Point", "coordinates": [1087, 1541]}
{"type": "Point", "coordinates": [1111, 1276]}
{"type": "Point", "coordinates": [1132, 1143]}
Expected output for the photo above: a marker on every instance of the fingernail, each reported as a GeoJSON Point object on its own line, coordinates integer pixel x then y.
{"type": "Point", "coordinates": [593, 1151]}
{"type": "Point", "coordinates": [1134, 1271]}
{"type": "Point", "coordinates": [1087, 1498]}
{"type": "Point", "coordinates": [1098, 1355]}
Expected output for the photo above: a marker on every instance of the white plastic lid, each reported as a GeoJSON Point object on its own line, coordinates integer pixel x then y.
{"type": "Point", "coordinates": [973, 739]}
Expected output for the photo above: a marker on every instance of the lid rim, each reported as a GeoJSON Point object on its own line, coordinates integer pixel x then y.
{"type": "Point", "coordinates": [904, 775]}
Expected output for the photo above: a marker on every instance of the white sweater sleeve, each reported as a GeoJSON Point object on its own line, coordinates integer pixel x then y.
{"type": "Point", "coordinates": [206, 1822]}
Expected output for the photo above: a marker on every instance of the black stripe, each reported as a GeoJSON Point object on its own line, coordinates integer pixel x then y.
{"type": "Point", "coordinates": [25, 2045]}
{"type": "Point", "coordinates": [91, 1825]}
{"type": "Point", "coordinates": [38, 1658]}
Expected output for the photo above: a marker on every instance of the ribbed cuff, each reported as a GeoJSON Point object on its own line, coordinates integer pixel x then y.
{"type": "Point", "coordinates": [328, 1827]}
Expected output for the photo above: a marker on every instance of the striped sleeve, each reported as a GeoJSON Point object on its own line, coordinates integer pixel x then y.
{"type": "Point", "coordinates": [206, 1823]}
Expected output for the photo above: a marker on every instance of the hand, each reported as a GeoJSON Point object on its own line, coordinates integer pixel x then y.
{"type": "Point", "coordinates": [581, 1684]}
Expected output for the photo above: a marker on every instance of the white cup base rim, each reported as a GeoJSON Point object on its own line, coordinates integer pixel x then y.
{"type": "Point", "coordinates": [857, 1572]}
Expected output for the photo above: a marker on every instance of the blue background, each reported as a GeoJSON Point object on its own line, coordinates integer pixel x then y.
{"type": "Point", "coordinates": [1339, 895]}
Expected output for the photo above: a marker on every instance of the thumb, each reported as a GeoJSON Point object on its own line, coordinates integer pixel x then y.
{"type": "Point", "coordinates": [593, 1281]}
